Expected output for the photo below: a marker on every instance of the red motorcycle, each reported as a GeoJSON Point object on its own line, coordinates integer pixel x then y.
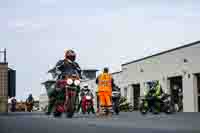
{"type": "Point", "coordinates": [87, 104]}
{"type": "Point", "coordinates": [66, 96]}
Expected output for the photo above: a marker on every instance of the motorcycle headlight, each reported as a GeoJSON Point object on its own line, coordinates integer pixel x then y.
{"type": "Point", "coordinates": [77, 82]}
{"type": "Point", "coordinates": [69, 81]}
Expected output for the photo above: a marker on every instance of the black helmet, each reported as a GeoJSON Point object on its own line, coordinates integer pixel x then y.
{"type": "Point", "coordinates": [70, 54]}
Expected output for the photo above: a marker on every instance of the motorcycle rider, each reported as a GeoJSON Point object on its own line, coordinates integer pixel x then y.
{"type": "Point", "coordinates": [30, 98]}
{"type": "Point", "coordinates": [66, 66]}
{"type": "Point", "coordinates": [86, 91]}
{"type": "Point", "coordinates": [105, 84]}
{"type": "Point", "coordinates": [30, 101]}
{"type": "Point", "coordinates": [153, 89]}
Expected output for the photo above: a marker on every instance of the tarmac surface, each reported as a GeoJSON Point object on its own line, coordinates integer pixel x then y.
{"type": "Point", "coordinates": [131, 122]}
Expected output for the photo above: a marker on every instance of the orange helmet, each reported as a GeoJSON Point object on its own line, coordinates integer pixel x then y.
{"type": "Point", "coordinates": [70, 54]}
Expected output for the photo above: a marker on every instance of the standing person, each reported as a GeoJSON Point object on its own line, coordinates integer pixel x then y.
{"type": "Point", "coordinates": [105, 83]}
{"type": "Point", "coordinates": [13, 104]}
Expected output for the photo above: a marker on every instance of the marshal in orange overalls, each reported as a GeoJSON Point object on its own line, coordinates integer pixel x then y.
{"type": "Point", "coordinates": [105, 89]}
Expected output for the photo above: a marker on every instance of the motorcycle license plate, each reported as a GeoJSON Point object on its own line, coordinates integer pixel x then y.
{"type": "Point", "coordinates": [88, 97]}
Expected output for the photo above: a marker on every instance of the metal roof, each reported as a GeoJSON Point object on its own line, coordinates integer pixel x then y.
{"type": "Point", "coordinates": [116, 72]}
{"type": "Point", "coordinates": [90, 70]}
{"type": "Point", "coordinates": [167, 51]}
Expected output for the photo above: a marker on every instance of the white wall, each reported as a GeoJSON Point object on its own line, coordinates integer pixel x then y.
{"type": "Point", "coordinates": [120, 80]}
{"type": "Point", "coordinates": [168, 65]}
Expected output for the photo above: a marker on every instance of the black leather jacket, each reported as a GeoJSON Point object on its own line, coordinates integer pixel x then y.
{"type": "Point", "coordinates": [65, 67]}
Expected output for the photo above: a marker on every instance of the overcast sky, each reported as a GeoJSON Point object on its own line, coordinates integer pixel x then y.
{"type": "Point", "coordinates": [103, 33]}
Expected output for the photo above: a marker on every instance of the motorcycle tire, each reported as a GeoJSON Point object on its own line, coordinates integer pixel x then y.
{"type": "Point", "coordinates": [57, 114]}
{"type": "Point", "coordinates": [143, 110]}
{"type": "Point", "coordinates": [155, 111]}
{"type": "Point", "coordinates": [88, 109]}
{"type": "Point", "coordinates": [71, 107]}
{"type": "Point", "coordinates": [70, 114]}
{"type": "Point", "coordinates": [169, 110]}
{"type": "Point", "coordinates": [131, 109]}
{"type": "Point", "coordinates": [88, 112]}
{"type": "Point", "coordinates": [117, 111]}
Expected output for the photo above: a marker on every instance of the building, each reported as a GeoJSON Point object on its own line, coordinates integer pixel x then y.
{"type": "Point", "coordinates": [179, 66]}
{"type": "Point", "coordinates": [89, 74]}
{"type": "Point", "coordinates": [120, 81]}
{"type": "Point", "coordinates": [11, 82]}
{"type": "Point", "coordinates": [43, 102]}
{"type": "Point", "coordinates": [3, 83]}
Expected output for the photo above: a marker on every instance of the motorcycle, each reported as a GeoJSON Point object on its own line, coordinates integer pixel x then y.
{"type": "Point", "coordinates": [178, 105]}
{"type": "Point", "coordinates": [125, 106]}
{"type": "Point", "coordinates": [87, 104]}
{"type": "Point", "coordinates": [115, 101]}
{"type": "Point", "coordinates": [166, 104]}
{"type": "Point", "coordinates": [67, 96]}
{"type": "Point", "coordinates": [155, 105]}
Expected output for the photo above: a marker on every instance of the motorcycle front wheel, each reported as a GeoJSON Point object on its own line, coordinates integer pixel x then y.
{"type": "Point", "coordinates": [130, 108]}
{"type": "Point", "coordinates": [70, 106]}
{"type": "Point", "coordinates": [57, 114]}
{"type": "Point", "coordinates": [143, 109]}
{"type": "Point", "coordinates": [169, 110]}
{"type": "Point", "coordinates": [116, 108]}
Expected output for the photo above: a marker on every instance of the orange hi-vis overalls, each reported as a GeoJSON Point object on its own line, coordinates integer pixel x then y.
{"type": "Point", "coordinates": [105, 90]}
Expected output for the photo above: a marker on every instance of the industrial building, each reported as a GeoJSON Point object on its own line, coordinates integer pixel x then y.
{"type": "Point", "coordinates": [175, 67]}
{"type": "Point", "coordinates": [7, 82]}
{"type": "Point", "coordinates": [179, 66]}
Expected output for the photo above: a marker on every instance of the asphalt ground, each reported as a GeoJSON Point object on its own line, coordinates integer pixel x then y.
{"type": "Point", "coordinates": [124, 123]}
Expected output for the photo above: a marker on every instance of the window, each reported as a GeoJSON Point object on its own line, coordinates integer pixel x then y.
{"type": "Point", "coordinates": [198, 83]}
